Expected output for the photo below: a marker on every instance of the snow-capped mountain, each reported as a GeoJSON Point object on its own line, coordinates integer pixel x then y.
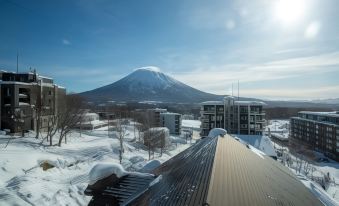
{"type": "Point", "coordinates": [149, 84]}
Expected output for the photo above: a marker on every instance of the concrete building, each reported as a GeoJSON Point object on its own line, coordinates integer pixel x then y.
{"type": "Point", "coordinates": [154, 116]}
{"type": "Point", "coordinates": [172, 121]}
{"type": "Point", "coordinates": [237, 117]}
{"type": "Point", "coordinates": [22, 95]}
{"type": "Point", "coordinates": [318, 131]}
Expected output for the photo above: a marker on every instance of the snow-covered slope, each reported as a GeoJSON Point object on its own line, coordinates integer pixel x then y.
{"type": "Point", "coordinates": [148, 84]}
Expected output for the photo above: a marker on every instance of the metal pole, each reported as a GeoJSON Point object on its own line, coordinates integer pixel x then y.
{"type": "Point", "coordinates": [238, 90]}
{"type": "Point", "coordinates": [17, 62]}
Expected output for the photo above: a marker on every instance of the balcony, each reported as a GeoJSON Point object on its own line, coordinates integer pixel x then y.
{"type": "Point", "coordinates": [209, 111]}
{"type": "Point", "coordinates": [258, 113]}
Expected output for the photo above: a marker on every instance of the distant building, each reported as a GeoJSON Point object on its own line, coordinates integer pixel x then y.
{"type": "Point", "coordinates": [237, 117]}
{"type": "Point", "coordinates": [154, 116]}
{"type": "Point", "coordinates": [172, 121]}
{"type": "Point", "coordinates": [317, 130]}
{"type": "Point", "coordinates": [22, 94]}
{"type": "Point", "coordinates": [91, 121]}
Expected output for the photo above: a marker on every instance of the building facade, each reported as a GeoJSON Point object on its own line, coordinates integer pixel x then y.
{"type": "Point", "coordinates": [237, 117]}
{"type": "Point", "coordinates": [172, 121]}
{"type": "Point", "coordinates": [24, 96]}
{"type": "Point", "coordinates": [318, 131]}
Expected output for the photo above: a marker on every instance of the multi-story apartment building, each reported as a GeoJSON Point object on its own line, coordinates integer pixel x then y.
{"type": "Point", "coordinates": [237, 117]}
{"type": "Point", "coordinates": [318, 131]}
{"type": "Point", "coordinates": [172, 121]}
{"type": "Point", "coordinates": [24, 96]}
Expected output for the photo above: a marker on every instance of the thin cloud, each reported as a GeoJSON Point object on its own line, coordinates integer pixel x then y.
{"type": "Point", "coordinates": [66, 42]}
{"type": "Point", "coordinates": [215, 78]}
{"type": "Point", "coordinates": [296, 93]}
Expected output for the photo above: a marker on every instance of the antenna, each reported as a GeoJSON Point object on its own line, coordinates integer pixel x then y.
{"type": "Point", "coordinates": [232, 89]}
{"type": "Point", "coordinates": [238, 89]}
{"type": "Point", "coordinates": [17, 62]}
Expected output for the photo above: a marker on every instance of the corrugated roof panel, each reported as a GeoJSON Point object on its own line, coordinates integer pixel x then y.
{"type": "Point", "coordinates": [241, 177]}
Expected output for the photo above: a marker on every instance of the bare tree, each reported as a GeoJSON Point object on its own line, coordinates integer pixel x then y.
{"type": "Point", "coordinates": [307, 167]}
{"type": "Point", "coordinates": [70, 114]}
{"type": "Point", "coordinates": [51, 128]}
{"type": "Point", "coordinates": [121, 132]}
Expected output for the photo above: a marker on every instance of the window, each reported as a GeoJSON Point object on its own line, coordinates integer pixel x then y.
{"type": "Point", "coordinates": [243, 126]}
{"type": "Point", "coordinates": [8, 91]}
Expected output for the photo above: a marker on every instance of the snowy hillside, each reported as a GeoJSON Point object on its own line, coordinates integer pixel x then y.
{"type": "Point", "coordinates": [149, 84]}
{"type": "Point", "coordinates": [24, 182]}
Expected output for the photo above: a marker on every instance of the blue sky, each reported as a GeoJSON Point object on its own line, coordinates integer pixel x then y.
{"type": "Point", "coordinates": [277, 49]}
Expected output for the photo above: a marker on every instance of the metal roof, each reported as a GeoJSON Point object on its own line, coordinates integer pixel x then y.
{"type": "Point", "coordinates": [241, 177]}
{"type": "Point", "coordinates": [223, 171]}
{"type": "Point", "coordinates": [185, 178]}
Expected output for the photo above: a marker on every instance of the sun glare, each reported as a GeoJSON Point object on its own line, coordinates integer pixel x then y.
{"type": "Point", "coordinates": [290, 11]}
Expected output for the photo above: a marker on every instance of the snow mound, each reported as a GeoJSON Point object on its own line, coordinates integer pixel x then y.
{"type": "Point", "coordinates": [260, 142]}
{"type": "Point", "coordinates": [151, 165]}
{"type": "Point", "coordinates": [217, 132]}
{"type": "Point", "coordinates": [136, 159]}
{"type": "Point", "coordinates": [318, 191]}
{"type": "Point", "coordinates": [177, 140]}
{"type": "Point", "coordinates": [58, 163]}
{"type": "Point", "coordinates": [103, 170]}
{"type": "Point", "coordinates": [191, 123]}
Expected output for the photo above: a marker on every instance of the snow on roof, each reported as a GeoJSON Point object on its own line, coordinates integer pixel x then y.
{"type": "Point", "coordinates": [249, 103]}
{"type": "Point", "coordinates": [263, 143]}
{"type": "Point", "coordinates": [315, 121]}
{"type": "Point", "coordinates": [15, 82]}
{"type": "Point", "coordinates": [89, 114]}
{"type": "Point", "coordinates": [169, 113]}
{"type": "Point", "coordinates": [217, 132]}
{"type": "Point", "coordinates": [191, 123]}
{"type": "Point", "coordinates": [158, 129]}
{"type": "Point", "coordinates": [44, 77]}
{"type": "Point", "coordinates": [317, 191]}
{"type": "Point", "coordinates": [212, 103]}
{"type": "Point", "coordinates": [150, 165]}
{"type": "Point", "coordinates": [103, 170]}
{"type": "Point", "coordinates": [329, 114]}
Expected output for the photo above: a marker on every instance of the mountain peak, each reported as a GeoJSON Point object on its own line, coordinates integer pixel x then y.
{"type": "Point", "coordinates": [149, 69]}
{"type": "Point", "coordinates": [149, 84]}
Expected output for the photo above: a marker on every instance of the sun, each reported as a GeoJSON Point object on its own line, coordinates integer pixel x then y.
{"type": "Point", "coordinates": [290, 11]}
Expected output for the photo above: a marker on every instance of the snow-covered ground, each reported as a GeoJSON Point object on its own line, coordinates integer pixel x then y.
{"type": "Point", "coordinates": [330, 196]}
{"type": "Point", "coordinates": [23, 181]}
{"type": "Point", "coordinates": [278, 129]}
{"type": "Point", "coordinates": [260, 142]}
{"type": "Point", "coordinates": [278, 126]}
